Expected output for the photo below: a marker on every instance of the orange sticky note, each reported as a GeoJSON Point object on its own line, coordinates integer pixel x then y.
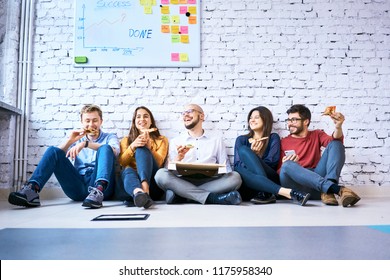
{"type": "Point", "coordinates": [175, 29]}
{"type": "Point", "coordinates": [165, 29]}
{"type": "Point", "coordinates": [165, 10]}
{"type": "Point", "coordinates": [192, 20]}
{"type": "Point", "coordinates": [192, 10]}
{"type": "Point", "coordinates": [184, 39]}
{"type": "Point", "coordinates": [182, 1]}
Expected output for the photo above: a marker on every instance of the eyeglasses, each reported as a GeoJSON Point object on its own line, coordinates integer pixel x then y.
{"type": "Point", "coordinates": [189, 111]}
{"type": "Point", "coordinates": [292, 120]}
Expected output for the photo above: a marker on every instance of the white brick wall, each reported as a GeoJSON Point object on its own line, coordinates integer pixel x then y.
{"type": "Point", "coordinates": [264, 52]}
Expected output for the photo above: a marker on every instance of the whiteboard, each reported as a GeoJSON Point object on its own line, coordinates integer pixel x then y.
{"type": "Point", "coordinates": [137, 33]}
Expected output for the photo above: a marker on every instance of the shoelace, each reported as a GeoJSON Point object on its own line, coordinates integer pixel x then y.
{"type": "Point", "coordinates": [94, 192]}
{"type": "Point", "coordinates": [25, 187]}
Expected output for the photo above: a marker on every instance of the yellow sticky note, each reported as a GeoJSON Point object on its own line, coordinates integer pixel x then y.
{"type": "Point", "coordinates": [165, 28]}
{"type": "Point", "coordinates": [192, 10]}
{"type": "Point", "coordinates": [175, 39]}
{"type": "Point", "coordinates": [175, 19]}
{"type": "Point", "coordinates": [175, 29]}
{"type": "Point", "coordinates": [175, 2]}
{"type": "Point", "coordinates": [165, 10]}
{"type": "Point", "coordinates": [183, 57]}
{"type": "Point", "coordinates": [184, 39]}
{"type": "Point", "coordinates": [147, 2]}
{"type": "Point", "coordinates": [148, 10]}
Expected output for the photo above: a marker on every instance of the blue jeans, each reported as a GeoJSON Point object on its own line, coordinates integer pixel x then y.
{"type": "Point", "coordinates": [146, 169]}
{"type": "Point", "coordinates": [317, 180]}
{"type": "Point", "coordinates": [74, 185]}
{"type": "Point", "coordinates": [257, 175]}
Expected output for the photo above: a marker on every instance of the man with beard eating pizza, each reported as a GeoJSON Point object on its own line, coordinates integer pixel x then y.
{"type": "Point", "coordinates": [198, 146]}
{"type": "Point", "coordinates": [311, 160]}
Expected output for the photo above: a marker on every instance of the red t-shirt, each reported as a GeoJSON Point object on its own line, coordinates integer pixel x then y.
{"type": "Point", "coordinates": [308, 148]}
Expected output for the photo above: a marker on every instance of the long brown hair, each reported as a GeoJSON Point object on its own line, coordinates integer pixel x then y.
{"type": "Point", "coordinates": [268, 120]}
{"type": "Point", "coordinates": [134, 132]}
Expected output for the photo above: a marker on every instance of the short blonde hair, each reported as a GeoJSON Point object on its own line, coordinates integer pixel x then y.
{"type": "Point", "coordinates": [88, 108]}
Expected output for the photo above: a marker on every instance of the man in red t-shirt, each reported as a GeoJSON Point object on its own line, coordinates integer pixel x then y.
{"type": "Point", "coordinates": [305, 164]}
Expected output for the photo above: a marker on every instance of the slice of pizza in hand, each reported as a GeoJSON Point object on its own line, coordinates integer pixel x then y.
{"type": "Point", "coordinates": [189, 146]}
{"type": "Point", "coordinates": [329, 110]}
{"type": "Point", "coordinates": [251, 140]}
{"type": "Point", "coordinates": [90, 131]}
{"type": "Point", "coordinates": [153, 129]}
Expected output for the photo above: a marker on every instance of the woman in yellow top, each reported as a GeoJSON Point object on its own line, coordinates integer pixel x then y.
{"type": "Point", "coordinates": [142, 153]}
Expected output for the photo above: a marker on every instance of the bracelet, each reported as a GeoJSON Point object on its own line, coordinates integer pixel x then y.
{"type": "Point", "coordinates": [86, 143]}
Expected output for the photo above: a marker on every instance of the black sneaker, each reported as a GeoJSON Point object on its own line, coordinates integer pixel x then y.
{"type": "Point", "coordinates": [142, 199]}
{"type": "Point", "coordinates": [263, 198]}
{"type": "Point", "coordinates": [299, 197]}
{"type": "Point", "coordinates": [230, 198]}
{"type": "Point", "coordinates": [26, 197]}
{"type": "Point", "coordinates": [129, 203]}
{"type": "Point", "coordinates": [94, 199]}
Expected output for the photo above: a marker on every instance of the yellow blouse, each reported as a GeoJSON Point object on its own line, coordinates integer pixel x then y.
{"type": "Point", "coordinates": [159, 150]}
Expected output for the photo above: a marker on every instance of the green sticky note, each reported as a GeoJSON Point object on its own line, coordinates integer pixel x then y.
{"type": "Point", "coordinates": [175, 39]}
{"type": "Point", "coordinates": [81, 59]}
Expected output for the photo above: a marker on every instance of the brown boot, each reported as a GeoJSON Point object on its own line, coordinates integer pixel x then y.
{"type": "Point", "coordinates": [348, 197]}
{"type": "Point", "coordinates": [329, 199]}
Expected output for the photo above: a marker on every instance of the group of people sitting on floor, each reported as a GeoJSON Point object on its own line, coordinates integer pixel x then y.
{"type": "Point", "coordinates": [305, 164]}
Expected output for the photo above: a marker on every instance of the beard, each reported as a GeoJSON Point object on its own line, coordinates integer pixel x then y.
{"type": "Point", "coordinates": [192, 124]}
{"type": "Point", "coordinates": [298, 130]}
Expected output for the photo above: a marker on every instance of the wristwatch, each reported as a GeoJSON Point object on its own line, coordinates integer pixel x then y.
{"type": "Point", "coordinates": [86, 143]}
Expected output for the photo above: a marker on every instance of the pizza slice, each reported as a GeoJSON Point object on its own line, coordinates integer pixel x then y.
{"type": "Point", "coordinates": [329, 110]}
{"type": "Point", "coordinates": [90, 131]}
{"type": "Point", "coordinates": [153, 129]}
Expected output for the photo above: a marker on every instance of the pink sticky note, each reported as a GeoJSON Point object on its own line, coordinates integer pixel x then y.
{"type": "Point", "coordinates": [183, 10]}
{"type": "Point", "coordinates": [183, 29]}
{"type": "Point", "coordinates": [175, 57]}
{"type": "Point", "coordinates": [164, 2]}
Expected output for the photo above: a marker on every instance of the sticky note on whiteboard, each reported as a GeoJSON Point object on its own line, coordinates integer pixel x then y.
{"type": "Point", "coordinates": [175, 57]}
{"type": "Point", "coordinates": [183, 57]}
{"type": "Point", "coordinates": [80, 59]}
